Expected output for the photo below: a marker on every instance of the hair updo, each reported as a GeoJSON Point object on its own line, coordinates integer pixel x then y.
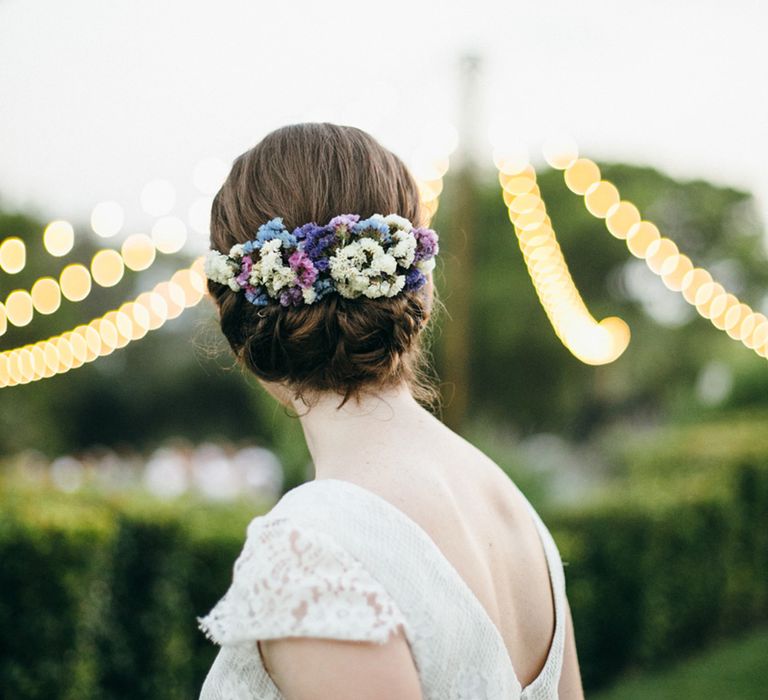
{"type": "Point", "coordinates": [311, 172]}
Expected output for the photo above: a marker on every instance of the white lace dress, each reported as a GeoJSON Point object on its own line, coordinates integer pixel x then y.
{"type": "Point", "coordinates": [333, 559]}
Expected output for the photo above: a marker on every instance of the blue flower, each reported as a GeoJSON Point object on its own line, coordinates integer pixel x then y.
{"type": "Point", "coordinates": [259, 297]}
{"type": "Point", "coordinates": [301, 232]}
{"type": "Point", "coordinates": [375, 222]}
{"type": "Point", "coordinates": [414, 279]}
{"type": "Point", "coordinates": [323, 286]}
{"type": "Point", "coordinates": [316, 241]}
{"type": "Point", "coordinates": [274, 228]}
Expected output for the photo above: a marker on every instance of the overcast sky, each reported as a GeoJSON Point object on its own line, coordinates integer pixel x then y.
{"type": "Point", "coordinates": [98, 98]}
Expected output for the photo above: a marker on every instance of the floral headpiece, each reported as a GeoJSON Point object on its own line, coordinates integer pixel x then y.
{"type": "Point", "coordinates": [375, 257]}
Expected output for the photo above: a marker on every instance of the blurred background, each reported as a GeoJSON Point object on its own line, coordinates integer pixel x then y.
{"type": "Point", "coordinates": [133, 452]}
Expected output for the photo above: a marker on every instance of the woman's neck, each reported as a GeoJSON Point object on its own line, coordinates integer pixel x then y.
{"type": "Point", "coordinates": [361, 437]}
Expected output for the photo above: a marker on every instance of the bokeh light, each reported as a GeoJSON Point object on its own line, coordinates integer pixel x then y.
{"type": "Point", "coordinates": [75, 282]}
{"type": "Point", "coordinates": [138, 251]}
{"type": "Point", "coordinates": [107, 219]}
{"type": "Point", "coordinates": [169, 234]}
{"type": "Point", "coordinates": [59, 237]}
{"type": "Point", "coordinates": [13, 255]}
{"type": "Point", "coordinates": [107, 268]}
{"type": "Point", "coordinates": [46, 295]}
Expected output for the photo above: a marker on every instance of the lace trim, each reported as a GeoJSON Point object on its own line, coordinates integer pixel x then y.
{"type": "Point", "coordinates": [290, 581]}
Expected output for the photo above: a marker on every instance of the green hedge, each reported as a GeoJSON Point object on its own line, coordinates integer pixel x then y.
{"type": "Point", "coordinates": [98, 597]}
{"type": "Point", "coordinates": [661, 566]}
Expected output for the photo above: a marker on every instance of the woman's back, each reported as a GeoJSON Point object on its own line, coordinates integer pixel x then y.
{"type": "Point", "coordinates": [482, 524]}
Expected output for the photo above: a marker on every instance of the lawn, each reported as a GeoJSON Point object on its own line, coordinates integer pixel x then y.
{"type": "Point", "coordinates": [737, 670]}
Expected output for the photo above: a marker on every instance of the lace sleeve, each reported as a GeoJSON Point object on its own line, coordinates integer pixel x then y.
{"type": "Point", "coordinates": [291, 581]}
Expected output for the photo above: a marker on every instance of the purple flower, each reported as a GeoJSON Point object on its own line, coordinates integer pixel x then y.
{"type": "Point", "coordinates": [291, 296]}
{"type": "Point", "coordinates": [414, 279]}
{"type": "Point", "coordinates": [347, 220]}
{"type": "Point", "coordinates": [316, 241]}
{"type": "Point", "coordinates": [246, 263]}
{"type": "Point", "coordinates": [301, 232]}
{"type": "Point", "coordinates": [426, 243]}
{"type": "Point", "coordinates": [302, 265]}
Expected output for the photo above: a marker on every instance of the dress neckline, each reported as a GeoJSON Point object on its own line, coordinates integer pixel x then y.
{"type": "Point", "coordinates": [469, 593]}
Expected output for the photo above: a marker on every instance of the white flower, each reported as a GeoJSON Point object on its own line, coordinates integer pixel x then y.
{"type": "Point", "coordinates": [272, 245]}
{"type": "Point", "coordinates": [355, 274]}
{"type": "Point", "coordinates": [236, 251]}
{"type": "Point", "coordinates": [426, 266]}
{"type": "Point", "coordinates": [398, 221]}
{"type": "Point", "coordinates": [397, 285]}
{"type": "Point", "coordinates": [219, 268]}
{"type": "Point", "coordinates": [309, 294]}
{"type": "Point", "coordinates": [404, 249]}
{"type": "Point", "coordinates": [282, 276]}
{"type": "Point", "coordinates": [269, 271]}
{"type": "Point", "coordinates": [384, 263]}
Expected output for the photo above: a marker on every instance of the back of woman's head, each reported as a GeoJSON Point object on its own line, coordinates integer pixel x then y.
{"type": "Point", "coordinates": [312, 172]}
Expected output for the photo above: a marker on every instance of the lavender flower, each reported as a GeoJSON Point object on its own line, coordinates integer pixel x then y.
{"type": "Point", "coordinates": [246, 263]}
{"type": "Point", "coordinates": [316, 242]}
{"type": "Point", "coordinates": [302, 265]}
{"type": "Point", "coordinates": [426, 243]}
{"type": "Point", "coordinates": [347, 220]}
{"type": "Point", "coordinates": [291, 296]}
{"type": "Point", "coordinates": [414, 279]}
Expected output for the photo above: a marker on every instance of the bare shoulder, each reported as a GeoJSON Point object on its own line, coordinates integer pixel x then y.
{"type": "Point", "coordinates": [306, 668]}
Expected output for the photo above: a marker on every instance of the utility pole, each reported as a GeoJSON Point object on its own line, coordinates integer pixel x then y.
{"type": "Point", "coordinates": [459, 263]}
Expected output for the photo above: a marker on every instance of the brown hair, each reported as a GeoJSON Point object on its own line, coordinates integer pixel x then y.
{"type": "Point", "coordinates": [311, 172]}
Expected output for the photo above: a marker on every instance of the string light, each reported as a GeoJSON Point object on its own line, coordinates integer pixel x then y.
{"type": "Point", "coordinates": [662, 256]}
{"type": "Point", "coordinates": [592, 342]}
{"type": "Point", "coordinates": [101, 336]}
{"type": "Point", "coordinates": [429, 173]}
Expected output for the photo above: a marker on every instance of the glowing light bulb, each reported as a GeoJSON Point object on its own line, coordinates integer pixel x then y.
{"type": "Point", "coordinates": [138, 252]}
{"type": "Point", "coordinates": [13, 255]}
{"type": "Point", "coordinates": [107, 268]}
{"type": "Point", "coordinates": [19, 307]}
{"type": "Point", "coordinates": [107, 219]}
{"type": "Point", "coordinates": [581, 175]}
{"type": "Point", "coordinates": [59, 237]}
{"type": "Point", "coordinates": [75, 282]}
{"type": "Point", "coordinates": [169, 234]}
{"type": "Point", "coordinates": [46, 295]}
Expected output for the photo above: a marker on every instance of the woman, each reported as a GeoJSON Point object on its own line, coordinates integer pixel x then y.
{"type": "Point", "coordinates": [411, 566]}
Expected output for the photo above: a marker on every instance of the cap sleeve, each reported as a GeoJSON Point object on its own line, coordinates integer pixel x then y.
{"type": "Point", "coordinates": [290, 581]}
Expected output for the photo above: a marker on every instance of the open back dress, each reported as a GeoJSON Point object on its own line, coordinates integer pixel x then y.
{"type": "Point", "coordinates": [333, 559]}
